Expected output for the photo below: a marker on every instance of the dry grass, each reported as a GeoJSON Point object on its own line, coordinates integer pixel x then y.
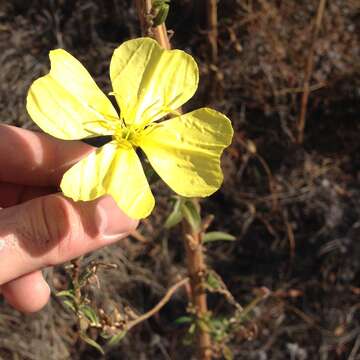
{"type": "Point", "coordinates": [297, 235]}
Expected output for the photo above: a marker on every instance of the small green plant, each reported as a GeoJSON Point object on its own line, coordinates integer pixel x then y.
{"type": "Point", "coordinates": [184, 150]}
{"type": "Point", "coordinates": [160, 10]}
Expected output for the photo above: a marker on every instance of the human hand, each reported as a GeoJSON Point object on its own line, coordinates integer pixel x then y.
{"type": "Point", "coordinates": [39, 227]}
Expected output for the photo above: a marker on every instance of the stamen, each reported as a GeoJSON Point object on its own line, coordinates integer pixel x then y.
{"type": "Point", "coordinates": [106, 116]}
{"type": "Point", "coordinates": [104, 123]}
{"type": "Point", "coordinates": [172, 112]}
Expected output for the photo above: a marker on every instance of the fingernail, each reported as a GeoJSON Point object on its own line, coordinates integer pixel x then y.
{"type": "Point", "coordinates": [114, 222]}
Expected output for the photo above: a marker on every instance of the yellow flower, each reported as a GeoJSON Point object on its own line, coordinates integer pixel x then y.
{"type": "Point", "coordinates": [148, 84]}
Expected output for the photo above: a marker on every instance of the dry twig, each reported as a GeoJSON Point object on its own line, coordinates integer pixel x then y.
{"type": "Point", "coordinates": [212, 32]}
{"type": "Point", "coordinates": [211, 8]}
{"type": "Point", "coordinates": [308, 72]}
{"type": "Point", "coordinates": [159, 305]}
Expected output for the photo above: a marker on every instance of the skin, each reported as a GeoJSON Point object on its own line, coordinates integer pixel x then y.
{"type": "Point", "coordinates": [39, 227]}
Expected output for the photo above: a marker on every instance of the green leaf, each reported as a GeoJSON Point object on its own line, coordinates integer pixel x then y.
{"type": "Point", "coordinates": [84, 277]}
{"type": "Point", "coordinates": [175, 216]}
{"type": "Point", "coordinates": [217, 236]}
{"type": "Point", "coordinates": [90, 314]}
{"type": "Point", "coordinates": [116, 338]}
{"type": "Point", "coordinates": [183, 320]}
{"type": "Point", "coordinates": [191, 214]}
{"type": "Point", "coordinates": [66, 293]}
{"type": "Point", "coordinates": [91, 342]}
{"type": "Point", "coordinates": [212, 281]}
{"type": "Point", "coordinates": [161, 10]}
{"type": "Point", "coordinates": [161, 15]}
{"type": "Point", "coordinates": [70, 305]}
{"type": "Point", "coordinates": [192, 329]}
{"type": "Point", "coordinates": [219, 327]}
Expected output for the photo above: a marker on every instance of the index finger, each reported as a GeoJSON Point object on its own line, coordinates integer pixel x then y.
{"type": "Point", "coordinates": [31, 158]}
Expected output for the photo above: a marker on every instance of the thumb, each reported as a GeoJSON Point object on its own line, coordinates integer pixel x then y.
{"type": "Point", "coordinates": [53, 229]}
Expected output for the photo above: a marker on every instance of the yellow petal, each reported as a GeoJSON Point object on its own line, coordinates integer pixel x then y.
{"type": "Point", "coordinates": [149, 82]}
{"type": "Point", "coordinates": [185, 151]}
{"type": "Point", "coordinates": [115, 171]}
{"type": "Point", "coordinates": [67, 103]}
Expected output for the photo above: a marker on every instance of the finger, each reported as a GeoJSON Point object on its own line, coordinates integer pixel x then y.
{"type": "Point", "coordinates": [28, 293]}
{"type": "Point", "coordinates": [53, 229]}
{"type": "Point", "coordinates": [12, 194]}
{"type": "Point", "coordinates": [38, 159]}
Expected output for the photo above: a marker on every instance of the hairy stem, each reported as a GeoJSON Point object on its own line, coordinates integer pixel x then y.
{"type": "Point", "coordinates": [197, 269]}
{"type": "Point", "coordinates": [192, 240]}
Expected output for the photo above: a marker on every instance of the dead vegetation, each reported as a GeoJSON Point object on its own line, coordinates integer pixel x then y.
{"type": "Point", "coordinates": [293, 208]}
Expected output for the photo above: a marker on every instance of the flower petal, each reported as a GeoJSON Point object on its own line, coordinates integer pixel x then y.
{"type": "Point", "coordinates": [149, 82]}
{"type": "Point", "coordinates": [67, 103]}
{"type": "Point", "coordinates": [185, 151]}
{"type": "Point", "coordinates": [115, 171]}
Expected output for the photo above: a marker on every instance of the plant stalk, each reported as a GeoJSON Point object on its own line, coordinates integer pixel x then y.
{"type": "Point", "coordinates": [159, 32]}
{"type": "Point", "coordinates": [214, 83]}
{"type": "Point", "coordinates": [211, 9]}
{"type": "Point", "coordinates": [197, 270]}
{"type": "Point", "coordinates": [192, 240]}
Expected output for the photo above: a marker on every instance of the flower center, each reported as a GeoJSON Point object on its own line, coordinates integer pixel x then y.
{"type": "Point", "coordinates": [125, 136]}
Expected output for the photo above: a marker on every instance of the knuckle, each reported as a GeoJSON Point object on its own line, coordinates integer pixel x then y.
{"type": "Point", "coordinates": [53, 226]}
{"type": "Point", "coordinates": [72, 230]}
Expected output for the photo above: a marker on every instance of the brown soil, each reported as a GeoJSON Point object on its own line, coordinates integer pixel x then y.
{"type": "Point", "coordinates": [294, 209]}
